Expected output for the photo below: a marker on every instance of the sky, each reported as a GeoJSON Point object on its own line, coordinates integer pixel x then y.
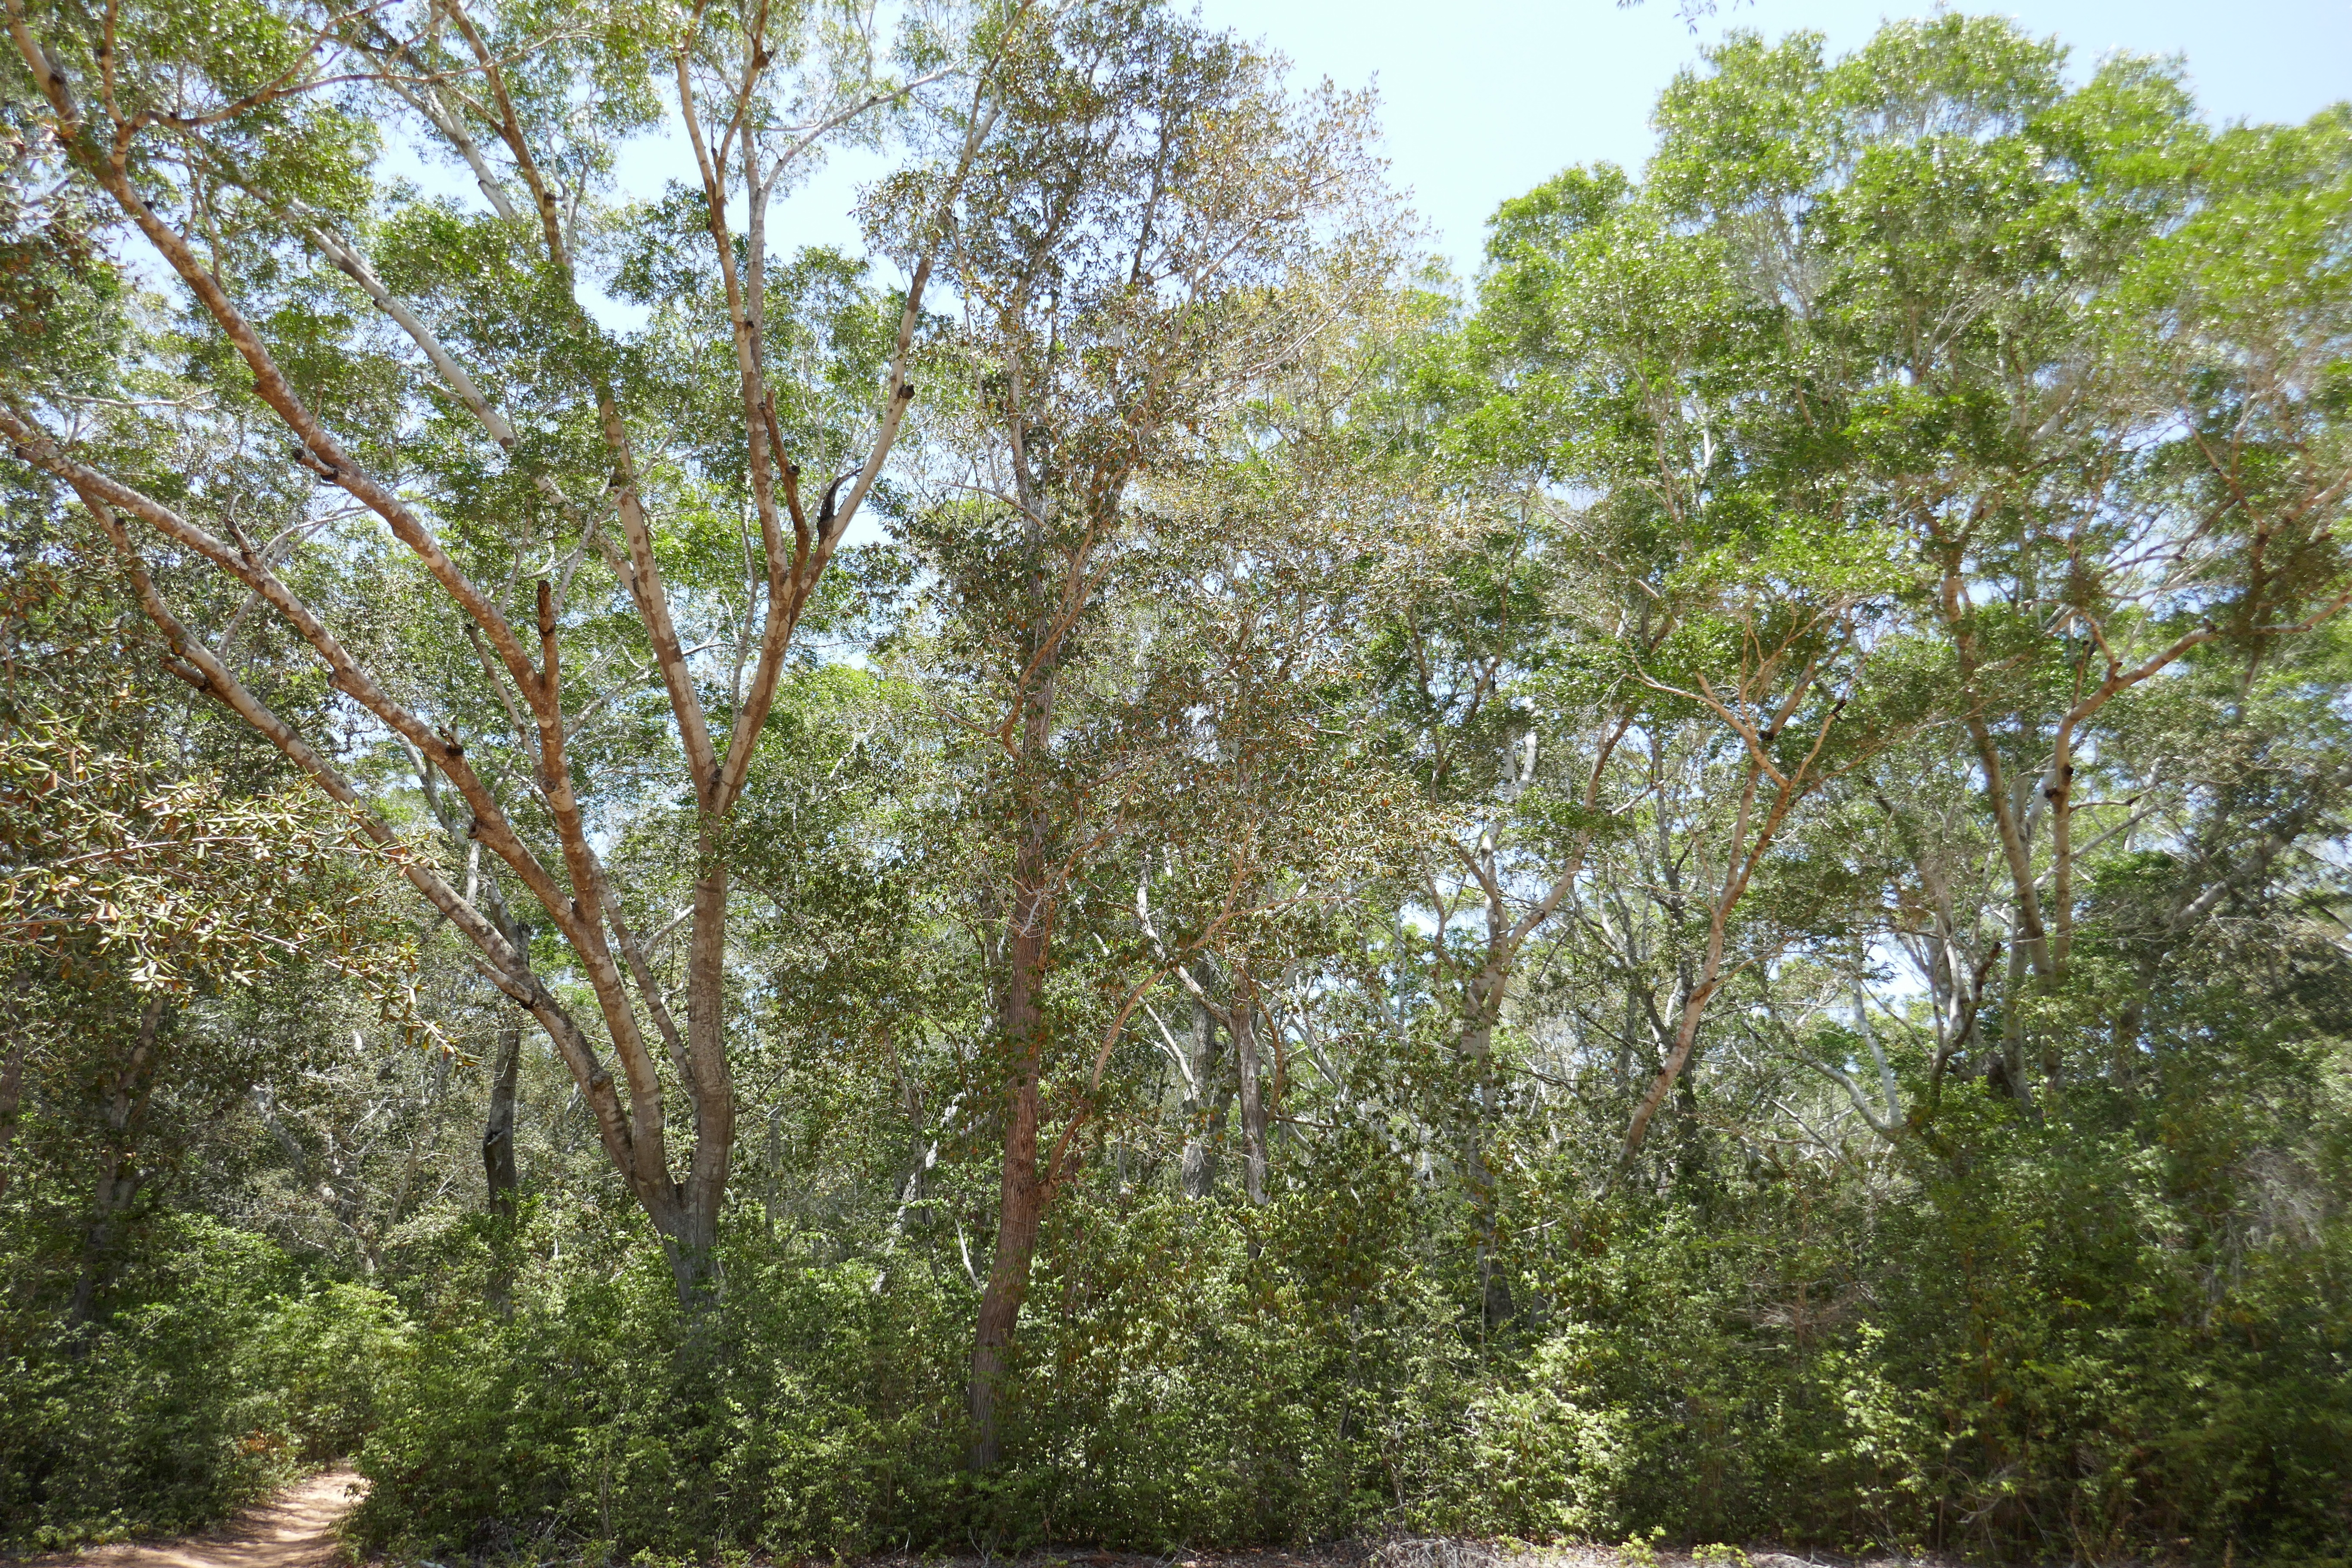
{"type": "Point", "coordinates": [1481, 99]}
{"type": "Point", "coordinates": [1503, 94]}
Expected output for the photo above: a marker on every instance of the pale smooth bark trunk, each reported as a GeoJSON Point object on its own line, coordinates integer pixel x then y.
{"type": "Point", "coordinates": [1253, 1099]}
{"type": "Point", "coordinates": [1205, 1107]}
{"type": "Point", "coordinates": [922, 1150]}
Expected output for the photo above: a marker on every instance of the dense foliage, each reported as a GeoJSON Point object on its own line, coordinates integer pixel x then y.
{"type": "Point", "coordinates": [1693, 890]}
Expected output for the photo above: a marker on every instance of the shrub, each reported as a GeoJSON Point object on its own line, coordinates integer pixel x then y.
{"type": "Point", "coordinates": [215, 1378]}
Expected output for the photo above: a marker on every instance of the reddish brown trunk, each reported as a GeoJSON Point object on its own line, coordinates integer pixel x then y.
{"type": "Point", "coordinates": [1743, 861]}
{"type": "Point", "coordinates": [1021, 1036]}
{"type": "Point", "coordinates": [1022, 1206]}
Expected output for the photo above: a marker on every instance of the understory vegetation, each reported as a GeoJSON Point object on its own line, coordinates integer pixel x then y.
{"type": "Point", "coordinates": [1131, 869]}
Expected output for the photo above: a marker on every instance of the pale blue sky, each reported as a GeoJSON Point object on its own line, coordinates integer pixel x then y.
{"type": "Point", "coordinates": [1482, 98]}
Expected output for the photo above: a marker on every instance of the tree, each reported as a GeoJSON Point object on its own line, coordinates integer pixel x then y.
{"type": "Point", "coordinates": [1711, 574]}
{"type": "Point", "coordinates": [508, 443]}
{"type": "Point", "coordinates": [1122, 247]}
{"type": "Point", "coordinates": [2022, 345]}
{"type": "Point", "coordinates": [1875, 401]}
{"type": "Point", "coordinates": [156, 920]}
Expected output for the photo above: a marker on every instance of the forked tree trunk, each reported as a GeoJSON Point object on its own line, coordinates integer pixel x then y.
{"type": "Point", "coordinates": [627, 1096]}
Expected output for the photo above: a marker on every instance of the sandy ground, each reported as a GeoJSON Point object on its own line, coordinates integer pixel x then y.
{"type": "Point", "coordinates": [295, 1529]}
{"type": "Point", "coordinates": [1410, 1552]}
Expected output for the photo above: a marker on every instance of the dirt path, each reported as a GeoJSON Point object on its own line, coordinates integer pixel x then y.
{"type": "Point", "coordinates": [296, 1529]}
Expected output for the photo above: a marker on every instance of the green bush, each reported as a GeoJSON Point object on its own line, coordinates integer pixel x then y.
{"type": "Point", "coordinates": [2052, 1344]}
{"type": "Point", "coordinates": [1169, 1387]}
{"type": "Point", "coordinates": [322, 1356]}
{"type": "Point", "coordinates": [216, 1377]}
{"type": "Point", "coordinates": [809, 1412]}
{"type": "Point", "coordinates": [2023, 1353]}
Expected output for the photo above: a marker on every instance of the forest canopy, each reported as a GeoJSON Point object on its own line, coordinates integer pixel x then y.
{"type": "Point", "coordinates": [1126, 867]}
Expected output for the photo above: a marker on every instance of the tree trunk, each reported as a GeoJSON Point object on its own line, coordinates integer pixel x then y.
{"type": "Point", "coordinates": [1204, 1109]}
{"type": "Point", "coordinates": [1253, 1096]}
{"type": "Point", "coordinates": [1690, 1152]}
{"type": "Point", "coordinates": [1740, 865]}
{"type": "Point", "coordinates": [692, 1241]}
{"type": "Point", "coordinates": [921, 1150]}
{"type": "Point", "coordinates": [497, 1131]}
{"type": "Point", "coordinates": [1021, 1196]}
{"type": "Point", "coordinates": [118, 1181]}
{"type": "Point", "coordinates": [2005, 1066]}
{"type": "Point", "coordinates": [1477, 1045]}
{"type": "Point", "coordinates": [498, 1180]}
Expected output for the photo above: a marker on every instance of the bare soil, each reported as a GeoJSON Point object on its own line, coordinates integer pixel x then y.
{"type": "Point", "coordinates": [295, 1529]}
{"type": "Point", "coordinates": [1406, 1552]}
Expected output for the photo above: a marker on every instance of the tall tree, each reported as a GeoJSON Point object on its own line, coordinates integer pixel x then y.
{"type": "Point", "coordinates": [1121, 248]}
{"type": "Point", "coordinates": [1915, 388]}
{"type": "Point", "coordinates": [519, 452]}
{"type": "Point", "coordinates": [160, 917]}
{"type": "Point", "coordinates": [2024, 326]}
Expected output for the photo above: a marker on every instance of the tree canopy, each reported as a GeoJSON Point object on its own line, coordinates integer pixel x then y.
{"type": "Point", "coordinates": [1126, 867]}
